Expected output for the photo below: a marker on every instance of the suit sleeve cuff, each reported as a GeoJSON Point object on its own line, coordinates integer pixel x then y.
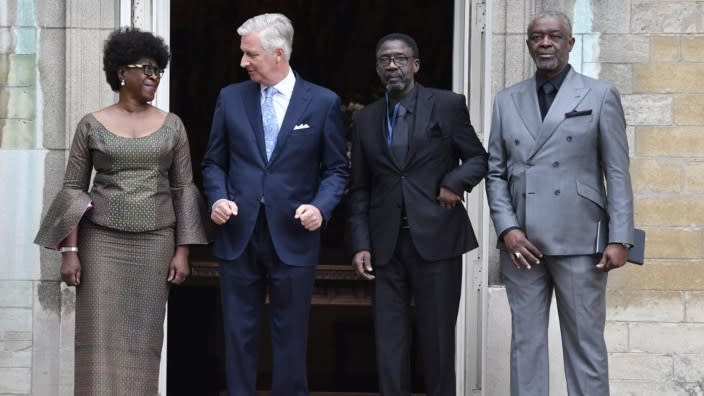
{"type": "Point", "coordinates": [506, 231]}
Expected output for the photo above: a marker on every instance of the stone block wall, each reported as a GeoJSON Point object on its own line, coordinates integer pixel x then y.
{"type": "Point", "coordinates": [50, 75]}
{"type": "Point", "coordinates": [661, 303]}
{"type": "Point", "coordinates": [18, 110]}
{"type": "Point", "coordinates": [653, 52]}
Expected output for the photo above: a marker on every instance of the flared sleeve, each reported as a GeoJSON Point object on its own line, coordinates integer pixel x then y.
{"type": "Point", "coordinates": [72, 201]}
{"type": "Point", "coordinates": [192, 220]}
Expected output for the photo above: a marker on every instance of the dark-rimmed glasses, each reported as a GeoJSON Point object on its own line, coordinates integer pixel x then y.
{"type": "Point", "coordinates": [148, 70]}
{"type": "Point", "coordinates": [399, 60]}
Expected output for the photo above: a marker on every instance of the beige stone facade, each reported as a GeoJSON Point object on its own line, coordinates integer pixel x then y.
{"type": "Point", "coordinates": [652, 50]}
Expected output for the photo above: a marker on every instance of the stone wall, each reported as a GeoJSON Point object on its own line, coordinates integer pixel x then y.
{"type": "Point", "coordinates": [19, 169]}
{"type": "Point", "coordinates": [659, 309]}
{"type": "Point", "coordinates": [653, 52]}
{"type": "Point", "coordinates": [50, 75]}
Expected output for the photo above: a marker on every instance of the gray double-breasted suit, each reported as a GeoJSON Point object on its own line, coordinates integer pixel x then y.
{"type": "Point", "coordinates": [550, 177]}
{"type": "Point", "coordinates": [557, 179]}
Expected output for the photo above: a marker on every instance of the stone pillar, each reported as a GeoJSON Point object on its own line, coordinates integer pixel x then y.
{"type": "Point", "coordinates": [21, 175]}
{"type": "Point", "coordinates": [50, 76]}
{"type": "Point", "coordinates": [142, 14]}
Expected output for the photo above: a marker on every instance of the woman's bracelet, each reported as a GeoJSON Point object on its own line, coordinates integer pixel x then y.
{"type": "Point", "coordinates": [67, 249]}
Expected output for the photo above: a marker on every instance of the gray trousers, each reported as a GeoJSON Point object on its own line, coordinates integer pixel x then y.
{"type": "Point", "coordinates": [580, 291]}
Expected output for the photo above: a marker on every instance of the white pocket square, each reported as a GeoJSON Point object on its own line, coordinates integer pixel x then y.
{"type": "Point", "coordinates": [301, 126]}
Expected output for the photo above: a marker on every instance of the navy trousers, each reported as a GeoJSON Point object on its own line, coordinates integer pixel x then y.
{"type": "Point", "coordinates": [243, 285]}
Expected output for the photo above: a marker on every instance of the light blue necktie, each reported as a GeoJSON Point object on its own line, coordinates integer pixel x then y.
{"type": "Point", "coordinates": [271, 126]}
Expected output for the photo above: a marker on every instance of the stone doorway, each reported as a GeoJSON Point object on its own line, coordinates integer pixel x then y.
{"type": "Point", "coordinates": [334, 47]}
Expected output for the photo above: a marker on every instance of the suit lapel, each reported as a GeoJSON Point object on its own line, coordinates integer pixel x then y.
{"type": "Point", "coordinates": [379, 135]}
{"type": "Point", "coordinates": [527, 100]}
{"type": "Point", "coordinates": [253, 107]}
{"type": "Point", "coordinates": [424, 109]}
{"type": "Point", "coordinates": [374, 125]}
{"type": "Point", "coordinates": [568, 97]}
{"type": "Point", "coordinates": [300, 98]}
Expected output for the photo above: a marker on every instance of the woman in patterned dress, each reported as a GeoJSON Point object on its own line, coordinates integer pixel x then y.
{"type": "Point", "coordinates": [124, 239]}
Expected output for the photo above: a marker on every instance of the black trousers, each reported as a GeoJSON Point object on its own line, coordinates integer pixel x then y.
{"type": "Point", "coordinates": [435, 288]}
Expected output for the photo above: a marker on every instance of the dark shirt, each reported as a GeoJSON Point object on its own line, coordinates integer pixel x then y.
{"type": "Point", "coordinates": [409, 102]}
{"type": "Point", "coordinates": [555, 81]}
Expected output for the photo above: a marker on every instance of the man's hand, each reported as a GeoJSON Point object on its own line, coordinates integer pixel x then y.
{"type": "Point", "coordinates": [448, 199]}
{"type": "Point", "coordinates": [310, 217]}
{"type": "Point", "coordinates": [362, 262]}
{"type": "Point", "coordinates": [522, 252]}
{"type": "Point", "coordinates": [222, 210]}
{"type": "Point", "coordinates": [70, 268]}
{"type": "Point", "coordinates": [615, 256]}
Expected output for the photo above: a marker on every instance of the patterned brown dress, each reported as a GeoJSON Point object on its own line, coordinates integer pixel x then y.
{"type": "Point", "coordinates": [141, 205]}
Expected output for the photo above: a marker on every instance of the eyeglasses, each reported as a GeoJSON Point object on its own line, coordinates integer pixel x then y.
{"type": "Point", "coordinates": [149, 70]}
{"type": "Point", "coordinates": [399, 60]}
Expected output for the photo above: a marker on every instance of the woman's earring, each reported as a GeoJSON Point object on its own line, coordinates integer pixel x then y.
{"type": "Point", "coordinates": [122, 83]}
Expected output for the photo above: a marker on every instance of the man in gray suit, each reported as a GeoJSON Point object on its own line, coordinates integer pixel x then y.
{"type": "Point", "coordinates": [557, 148]}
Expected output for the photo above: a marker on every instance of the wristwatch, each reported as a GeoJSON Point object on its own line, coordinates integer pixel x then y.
{"type": "Point", "coordinates": [67, 249]}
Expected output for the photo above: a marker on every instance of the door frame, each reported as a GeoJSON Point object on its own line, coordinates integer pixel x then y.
{"type": "Point", "coordinates": [471, 76]}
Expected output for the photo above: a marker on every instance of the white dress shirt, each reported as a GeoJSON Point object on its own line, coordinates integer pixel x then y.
{"type": "Point", "coordinates": [284, 90]}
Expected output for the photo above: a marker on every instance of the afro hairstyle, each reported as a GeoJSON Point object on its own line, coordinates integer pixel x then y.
{"type": "Point", "coordinates": [128, 45]}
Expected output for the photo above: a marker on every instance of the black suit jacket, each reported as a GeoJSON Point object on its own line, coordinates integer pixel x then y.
{"type": "Point", "coordinates": [442, 137]}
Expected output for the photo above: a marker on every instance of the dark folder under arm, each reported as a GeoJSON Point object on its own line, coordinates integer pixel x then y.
{"type": "Point", "coordinates": [636, 253]}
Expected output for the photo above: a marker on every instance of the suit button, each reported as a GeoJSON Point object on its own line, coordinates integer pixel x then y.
{"type": "Point", "coordinates": [555, 164]}
{"type": "Point", "coordinates": [260, 198]}
{"type": "Point", "coordinates": [569, 138]}
{"type": "Point", "coordinates": [517, 142]}
{"type": "Point", "coordinates": [557, 192]}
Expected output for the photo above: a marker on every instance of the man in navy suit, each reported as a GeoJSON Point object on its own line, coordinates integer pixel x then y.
{"type": "Point", "coordinates": [414, 155]}
{"type": "Point", "coordinates": [275, 169]}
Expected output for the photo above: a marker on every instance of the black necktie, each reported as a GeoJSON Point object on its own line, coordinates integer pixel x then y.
{"type": "Point", "coordinates": [399, 141]}
{"type": "Point", "coordinates": [548, 94]}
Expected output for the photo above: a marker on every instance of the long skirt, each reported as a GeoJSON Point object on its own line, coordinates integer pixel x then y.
{"type": "Point", "coordinates": [120, 307]}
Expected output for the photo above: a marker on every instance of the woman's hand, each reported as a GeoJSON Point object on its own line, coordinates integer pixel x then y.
{"type": "Point", "coordinates": [70, 268]}
{"type": "Point", "coordinates": [70, 264]}
{"type": "Point", "coordinates": [179, 269]}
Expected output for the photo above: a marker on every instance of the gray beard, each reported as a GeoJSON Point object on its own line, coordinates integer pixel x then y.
{"type": "Point", "coordinates": [551, 65]}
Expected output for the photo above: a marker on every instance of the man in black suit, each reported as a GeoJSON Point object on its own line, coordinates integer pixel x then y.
{"type": "Point", "coordinates": [414, 154]}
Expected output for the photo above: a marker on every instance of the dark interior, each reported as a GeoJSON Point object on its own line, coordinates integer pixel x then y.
{"type": "Point", "coordinates": [333, 46]}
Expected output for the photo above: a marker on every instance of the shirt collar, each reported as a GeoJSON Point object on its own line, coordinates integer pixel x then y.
{"type": "Point", "coordinates": [555, 81]}
{"type": "Point", "coordinates": [285, 86]}
{"type": "Point", "coordinates": [409, 101]}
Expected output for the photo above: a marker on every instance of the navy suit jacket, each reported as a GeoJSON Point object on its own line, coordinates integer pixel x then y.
{"type": "Point", "coordinates": [308, 166]}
